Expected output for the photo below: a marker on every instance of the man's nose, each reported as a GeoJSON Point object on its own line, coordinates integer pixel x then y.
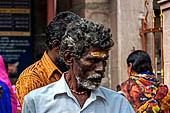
{"type": "Point", "coordinates": [100, 67]}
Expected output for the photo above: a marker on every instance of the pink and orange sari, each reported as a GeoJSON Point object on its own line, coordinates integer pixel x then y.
{"type": "Point", "coordinates": [4, 78]}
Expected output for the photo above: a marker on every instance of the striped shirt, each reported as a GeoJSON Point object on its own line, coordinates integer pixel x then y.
{"type": "Point", "coordinates": [39, 74]}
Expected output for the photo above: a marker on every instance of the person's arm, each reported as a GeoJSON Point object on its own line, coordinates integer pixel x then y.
{"type": "Point", "coordinates": [25, 84]}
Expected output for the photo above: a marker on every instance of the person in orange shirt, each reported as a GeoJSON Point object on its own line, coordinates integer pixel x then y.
{"type": "Point", "coordinates": [50, 67]}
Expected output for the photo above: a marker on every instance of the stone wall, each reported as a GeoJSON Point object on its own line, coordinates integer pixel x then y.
{"type": "Point", "coordinates": [125, 23]}
{"type": "Point", "coordinates": [99, 12]}
{"type": "Point", "coordinates": [165, 6]}
{"type": "Point", "coordinates": [78, 6]}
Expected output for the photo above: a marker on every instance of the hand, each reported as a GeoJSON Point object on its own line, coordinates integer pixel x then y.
{"type": "Point", "coordinates": [1, 91]}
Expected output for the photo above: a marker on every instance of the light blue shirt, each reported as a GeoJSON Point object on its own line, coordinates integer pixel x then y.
{"type": "Point", "coordinates": [57, 98]}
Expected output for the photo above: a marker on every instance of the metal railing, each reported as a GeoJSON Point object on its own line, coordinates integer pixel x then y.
{"type": "Point", "coordinates": [143, 33]}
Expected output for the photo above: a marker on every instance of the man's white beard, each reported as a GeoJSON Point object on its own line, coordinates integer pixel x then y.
{"type": "Point", "coordinates": [88, 84]}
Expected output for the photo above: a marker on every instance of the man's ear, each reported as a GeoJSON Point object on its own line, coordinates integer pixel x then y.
{"type": "Point", "coordinates": [68, 58]}
{"type": "Point", "coordinates": [56, 44]}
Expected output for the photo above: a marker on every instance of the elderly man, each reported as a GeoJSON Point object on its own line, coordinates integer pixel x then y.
{"type": "Point", "coordinates": [85, 48]}
{"type": "Point", "coordinates": [49, 69]}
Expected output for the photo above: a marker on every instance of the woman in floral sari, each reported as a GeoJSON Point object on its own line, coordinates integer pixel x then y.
{"type": "Point", "coordinates": [143, 90]}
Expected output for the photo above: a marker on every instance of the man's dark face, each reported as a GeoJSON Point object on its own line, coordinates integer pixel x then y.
{"type": "Point", "coordinates": [89, 70]}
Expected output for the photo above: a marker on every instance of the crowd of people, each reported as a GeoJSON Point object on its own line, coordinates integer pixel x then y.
{"type": "Point", "coordinates": [67, 79]}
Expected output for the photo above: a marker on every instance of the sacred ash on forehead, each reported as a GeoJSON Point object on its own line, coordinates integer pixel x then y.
{"type": "Point", "coordinates": [100, 54]}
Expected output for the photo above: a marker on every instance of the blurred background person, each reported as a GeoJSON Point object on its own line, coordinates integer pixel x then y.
{"type": "Point", "coordinates": [143, 90]}
{"type": "Point", "coordinates": [4, 79]}
{"type": "Point", "coordinates": [118, 88]}
{"type": "Point", "coordinates": [5, 100]}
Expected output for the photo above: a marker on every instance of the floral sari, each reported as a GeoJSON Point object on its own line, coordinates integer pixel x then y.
{"type": "Point", "coordinates": [146, 94]}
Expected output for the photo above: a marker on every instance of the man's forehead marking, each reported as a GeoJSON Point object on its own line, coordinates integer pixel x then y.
{"type": "Point", "coordinates": [100, 53]}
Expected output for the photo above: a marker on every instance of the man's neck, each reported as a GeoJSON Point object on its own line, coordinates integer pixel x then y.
{"type": "Point", "coordinates": [54, 56]}
{"type": "Point", "coordinates": [51, 55]}
{"type": "Point", "coordinates": [79, 93]}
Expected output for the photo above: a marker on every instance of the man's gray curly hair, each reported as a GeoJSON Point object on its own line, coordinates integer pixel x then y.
{"type": "Point", "coordinates": [81, 34]}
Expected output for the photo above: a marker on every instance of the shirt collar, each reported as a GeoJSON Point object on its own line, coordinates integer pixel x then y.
{"type": "Point", "coordinates": [62, 87]}
{"type": "Point", "coordinates": [49, 65]}
{"type": "Point", "coordinates": [98, 93]}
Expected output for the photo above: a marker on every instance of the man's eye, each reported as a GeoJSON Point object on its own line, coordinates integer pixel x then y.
{"type": "Point", "coordinates": [94, 60]}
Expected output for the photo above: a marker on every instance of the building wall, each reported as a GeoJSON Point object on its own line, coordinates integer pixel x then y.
{"type": "Point", "coordinates": [125, 24]}
{"type": "Point", "coordinates": [39, 23]}
{"type": "Point", "coordinates": [99, 12]}
{"type": "Point", "coordinates": [78, 6]}
{"type": "Point", "coordinates": [165, 6]}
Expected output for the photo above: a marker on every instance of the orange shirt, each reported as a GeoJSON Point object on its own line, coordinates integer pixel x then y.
{"type": "Point", "coordinates": [39, 74]}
